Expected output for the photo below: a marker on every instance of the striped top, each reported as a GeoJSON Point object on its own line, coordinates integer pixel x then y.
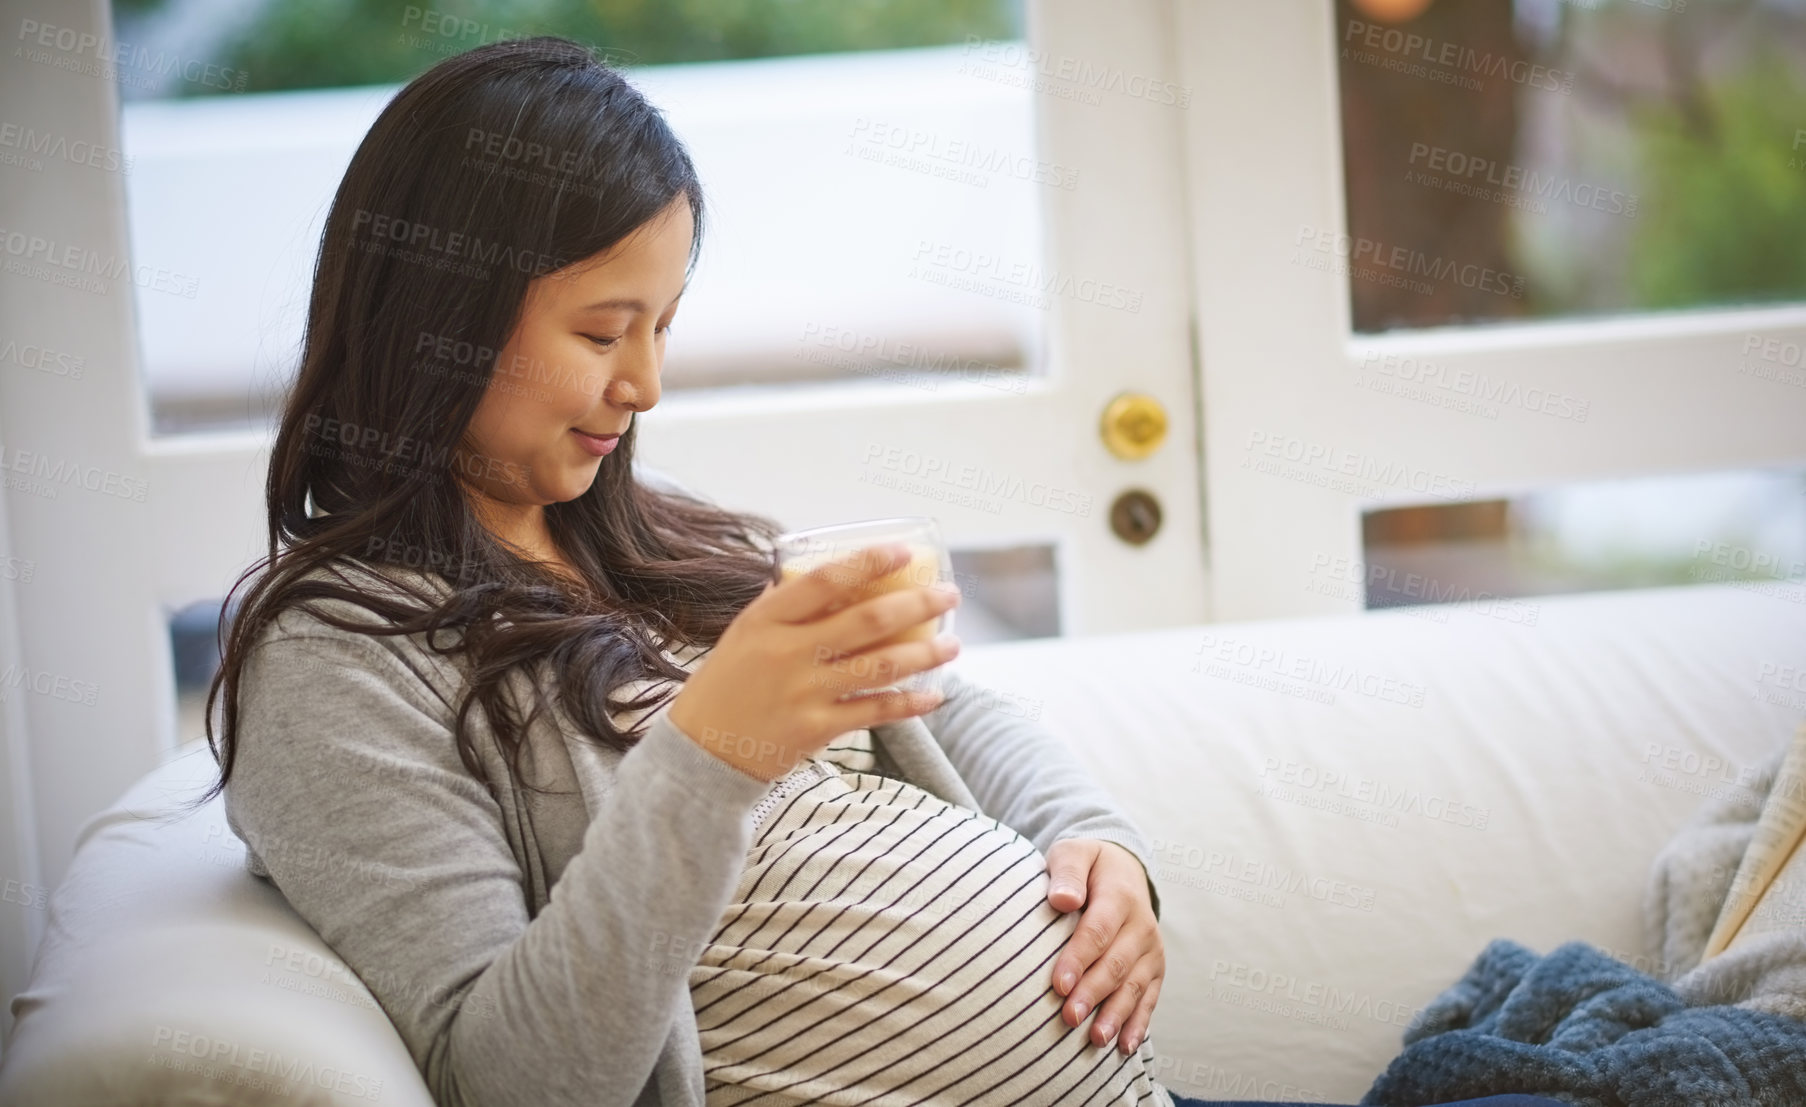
{"type": "Point", "coordinates": [887, 948]}
{"type": "Point", "coordinates": [884, 947]}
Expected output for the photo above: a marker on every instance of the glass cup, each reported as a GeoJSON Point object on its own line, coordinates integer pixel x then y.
{"type": "Point", "coordinates": [800, 551]}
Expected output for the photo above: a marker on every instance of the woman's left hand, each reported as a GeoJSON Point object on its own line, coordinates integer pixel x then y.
{"type": "Point", "coordinates": [1115, 960]}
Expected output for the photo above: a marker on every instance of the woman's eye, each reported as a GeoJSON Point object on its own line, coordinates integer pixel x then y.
{"type": "Point", "coordinates": [604, 343]}
{"type": "Point", "coordinates": [666, 329]}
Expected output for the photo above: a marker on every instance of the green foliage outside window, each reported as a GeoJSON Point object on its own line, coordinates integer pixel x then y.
{"type": "Point", "coordinates": [334, 43]}
{"type": "Point", "coordinates": [1726, 221]}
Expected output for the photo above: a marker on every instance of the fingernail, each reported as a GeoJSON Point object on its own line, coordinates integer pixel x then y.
{"type": "Point", "coordinates": [1066, 982]}
{"type": "Point", "coordinates": [1079, 1010]}
{"type": "Point", "coordinates": [1129, 1043]}
{"type": "Point", "coordinates": [1066, 889]}
{"type": "Point", "coordinates": [1104, 1030]}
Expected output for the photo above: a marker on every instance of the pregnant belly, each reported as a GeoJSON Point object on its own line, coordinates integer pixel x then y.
{"type": "Point", "coordinates": [884, 948]}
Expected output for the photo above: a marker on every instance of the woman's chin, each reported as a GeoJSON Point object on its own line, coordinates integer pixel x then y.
{"type": "Point", "coordinates": [574, 486]}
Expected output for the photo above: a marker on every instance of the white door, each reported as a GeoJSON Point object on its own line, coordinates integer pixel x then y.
{"type": "Point", "coordinates": [122, 527]}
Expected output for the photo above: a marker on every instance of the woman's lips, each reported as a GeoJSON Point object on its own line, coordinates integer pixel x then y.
{"type": "Point", "coordinates": [597, 444]}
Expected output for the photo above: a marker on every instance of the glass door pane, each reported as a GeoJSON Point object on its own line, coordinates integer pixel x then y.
{"type": "Point", "coordinates": [875, 200]}
{"type": "Point", "coordinates": [1533, 159]}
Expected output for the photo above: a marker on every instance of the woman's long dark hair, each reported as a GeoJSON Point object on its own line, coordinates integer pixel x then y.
{"type": "Point", "coordinates": [494, 167]}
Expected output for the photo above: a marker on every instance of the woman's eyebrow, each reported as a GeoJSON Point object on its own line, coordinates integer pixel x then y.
{"type": "Point", "coordinates": [624, 303]}
{"type": "Point", "coordinates": [611, 305]}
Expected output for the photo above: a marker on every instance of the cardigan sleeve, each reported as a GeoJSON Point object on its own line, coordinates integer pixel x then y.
{"type": "Point", "coordinates": [348, 787]}
{"type": "Point", "coordinates": [1025, 777]}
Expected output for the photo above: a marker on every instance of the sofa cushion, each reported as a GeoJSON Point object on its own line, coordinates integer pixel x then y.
{"type": "Point", "coordinates": [1346, 810]}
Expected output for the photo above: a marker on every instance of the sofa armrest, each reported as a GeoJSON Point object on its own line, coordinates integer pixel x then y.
{"type": "Point", "coordinates": [169, 974]}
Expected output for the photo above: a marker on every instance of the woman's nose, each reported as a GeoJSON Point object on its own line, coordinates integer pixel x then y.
{"type": "Point", "coordinates": [635, 382]}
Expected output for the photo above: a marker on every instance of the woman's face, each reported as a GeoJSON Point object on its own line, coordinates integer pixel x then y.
{"type": "Point", "coordinates": [585, 356]}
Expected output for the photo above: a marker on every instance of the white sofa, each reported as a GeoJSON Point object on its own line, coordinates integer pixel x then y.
{"type": "Point", "coordinates": [1345, 810]}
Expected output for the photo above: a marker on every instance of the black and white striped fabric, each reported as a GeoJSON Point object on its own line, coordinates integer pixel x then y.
{"type": "Point", "coordinates": [886, 948]}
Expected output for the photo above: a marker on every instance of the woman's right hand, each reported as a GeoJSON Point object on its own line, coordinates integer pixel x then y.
{"type": "Point", "coordinates": [769, 693]}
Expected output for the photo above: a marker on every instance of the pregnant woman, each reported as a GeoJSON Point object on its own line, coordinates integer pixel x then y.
{"type": "Point", "coordinates": [544, 753]}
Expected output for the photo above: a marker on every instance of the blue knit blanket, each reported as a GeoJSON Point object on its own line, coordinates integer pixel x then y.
{"type": "Point", "coordinates": [1589, 1030]}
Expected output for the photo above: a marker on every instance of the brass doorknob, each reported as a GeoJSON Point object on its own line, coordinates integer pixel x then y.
{"type": "Point", "coordinates": [1133, 426]}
